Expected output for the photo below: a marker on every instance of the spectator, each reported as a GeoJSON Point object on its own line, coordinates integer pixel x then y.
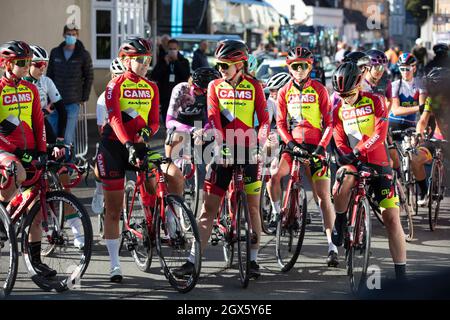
{"type": "Point", "coordinates": [200, 60]}
{"type": "Point", "coordinates": [421, 54]}
{"type": "Point", "coordinates": [163, 47]}
{"type": "Point", "coordinates": [70, 68]}
{"type": "Point", "coordinates": [168, 72]}
{"type": "Point", "coordinates": [340, 54]}
{"type": "Point", "coordinates": [441, 58]}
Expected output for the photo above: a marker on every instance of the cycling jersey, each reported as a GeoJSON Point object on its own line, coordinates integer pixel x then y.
{"type": "Point", "coordinates": [234, 108]}
{"type": "Point", "coordinates": [132, 103]}
{"type": "Point", "coordinates": [185, 109]}
{"type": "Point", "coordinates": [408, 95]}
{"type": "Point", "coordinates": [383, 87]}
{"type": "Point", "coordinates": [21, 117]}
{"type": "Point", "coordinates": [102, 115]}
{"type": "Point", "coordinates": [362, 126]}
{"type": "Point", "coordinates": [304, 117]}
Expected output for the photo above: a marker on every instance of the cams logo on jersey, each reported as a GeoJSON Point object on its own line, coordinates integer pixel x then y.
{"type": "Point", "coordinates": [305, 98]}
{"type": "Point", "coordinates": [137, 94]}
{"type": "Point", "coordinates": [9, 99]}
{"type": "Point", "coordinates": [357, 112]}
{"type": "Point", "coordinates": [235, 94]}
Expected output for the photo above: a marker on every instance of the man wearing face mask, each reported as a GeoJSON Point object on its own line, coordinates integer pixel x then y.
{"type": "Point", "coordinates": [169, 72]}
{"type": "Point", "coordinates": [70, 68]}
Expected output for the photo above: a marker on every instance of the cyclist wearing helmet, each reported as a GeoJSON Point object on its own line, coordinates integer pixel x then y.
{"type": "Point", "coordinates": [304, 123]}
{"type": "Point", "coordinates": [273, 85]}
{"type": "Point", "coordinates": [360, 127]}
{"type": "Point", "coordinates": [437, 103]}
{"type": "Point", "coordinates": [187, 112]}
{"type": "Point", "coordinates": [48, 92]}
{"type": "Point", "coordinates": [116, 68]}
{"type": "Point", "coordinates": [132, 104]}
{"type": "Point", "coordinates": [361, 59]}
{"type": "Point", "coordinates": [376, 79]}
{"type": "Point", "coordinates": [232, 102]}
{"type": "Point", "coordinates": [22, 130]}
{"type": "Point", "coordinates": [441, 58]}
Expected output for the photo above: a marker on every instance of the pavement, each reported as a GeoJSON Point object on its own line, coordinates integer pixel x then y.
{"type": "Point", "coordinates": [310, 279]}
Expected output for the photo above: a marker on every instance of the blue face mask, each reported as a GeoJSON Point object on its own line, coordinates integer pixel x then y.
{"type": "Point", "coordinates": [70, 40]}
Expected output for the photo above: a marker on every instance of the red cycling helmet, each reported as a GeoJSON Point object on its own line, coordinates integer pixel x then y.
{"type": "Point", "coordinates": [299, 54]}
{"type": "Point", "coordinates": [135, 47]}
{"type": "Point", "coordinates": [232, 51]}
{"type": "Point", "coordinates": [13, 50]}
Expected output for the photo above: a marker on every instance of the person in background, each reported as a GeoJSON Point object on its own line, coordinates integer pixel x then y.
{"type": "Point", "coordinates": [116, 69]}
{"type": "Point", "coordinates": [70, 68]}
{"type": "Point", "coordinates": [169, 72]}
{"type": "Point", "coordinates": [163, 48]}
{"type": "Point", "coordinates": [200, 60]}
{"type": "Point", "coordinates": [441, 58]}
{"type": "Point", "coordinates": [421, 54]}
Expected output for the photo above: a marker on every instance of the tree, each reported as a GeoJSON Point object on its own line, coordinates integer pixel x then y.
{"type": "Point", "coordinates": [415, 8]}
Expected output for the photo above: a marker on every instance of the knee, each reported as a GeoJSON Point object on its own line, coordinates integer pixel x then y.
{"type": "Point", "coordinates": [391, 218]}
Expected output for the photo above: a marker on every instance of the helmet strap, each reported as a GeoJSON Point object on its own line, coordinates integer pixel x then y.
{"type": "Point", "coordinates": [235, 77]}
{"type": "Point", "coordinates": [11, 76]}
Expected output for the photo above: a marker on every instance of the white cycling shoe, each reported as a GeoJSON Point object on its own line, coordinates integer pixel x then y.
{"type": "Point", "coordinates": [115, 275]}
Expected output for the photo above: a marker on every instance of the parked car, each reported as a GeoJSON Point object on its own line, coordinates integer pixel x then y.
{"type": "Point", "coordinates": [269, 67]}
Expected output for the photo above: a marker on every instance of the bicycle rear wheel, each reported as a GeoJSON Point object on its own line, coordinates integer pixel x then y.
{"type": "Point", "coordinates": [191, 186]}
{"type": "Point", "coordinates": [412, 196]}
{"type": "Point", "coordinates": [69, 226]}
{"type": "Point", "coordinates": [265, 210]}
{"type": "Point", "coordinates": [8, 254]}
{"type": "Point", "coordinates": [136, 239]}
{"type": "Point", "coordinates": [176, 239]}
{"type": "Point", "coordinates": [244, 238]}
{"type": "Point", "coordinates": [435, 195]}
{"type": "Point", "coordinates": [291, 228]}
{"type": "Point", "coordinates": [358, 254]}
{"type": "Point", "coordinates": [405, 212]}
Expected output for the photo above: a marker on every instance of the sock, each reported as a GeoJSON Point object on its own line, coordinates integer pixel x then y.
{"type": "Point", "coordinates": [191, 257]}
{"type": "Point", "coordinates": [276, 207]}
{"type": "Point", "coordinates": [400, 271]}
{"type": "Point", "coordinates": [253, 254]}
{"type": "Point", "coordinates": [331, 246]}
{"type": "Point", "coordinates": [75, 224]}
{"type": "Point", "coordinates": [423, 187]}
{"type": "Point", "coordinates": [113, 250]}
{"type": "Point", "coordinates": [98, 187]}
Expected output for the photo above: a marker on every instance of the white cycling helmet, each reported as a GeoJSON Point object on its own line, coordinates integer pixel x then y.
{"type": "Point", "coordinates": [277, 81]}
{"type": "Point", "coordinates": [117, 67]}
{"type": "Point", "coordinates": [39, 53]}
{"type": "Point", "coordinates": [252, 63]}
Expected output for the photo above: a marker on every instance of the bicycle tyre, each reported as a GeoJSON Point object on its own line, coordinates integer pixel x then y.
{"type": "Point", "coordinates": [243, 238]}
{"type": "Point", "coordinates": [434, 194]}
{"type": "Point", "coordinates": [58, 251]}
{"type": "Point", "coordinates": [265, 210]}
{"type": "Point", "coordinates": [9, 256]}
{"type": "Point", "coordinates": [191, 186]}
{"type": "Point", "coordinates": [406, 220]}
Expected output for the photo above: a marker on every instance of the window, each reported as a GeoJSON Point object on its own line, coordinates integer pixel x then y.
{"type": "Point", "coordinates": [112, 22]}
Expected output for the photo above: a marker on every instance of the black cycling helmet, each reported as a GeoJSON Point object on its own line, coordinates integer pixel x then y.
{"type": "Point", "coordinates": [377, 57]}
{"type": "Point", "coordinates": [360, 58]}
{"type": "Point", "coordinates": [298, 54]}
{"type": "Point", "coordinates": [203, 76]}
{"type": "Point", "coordinates": [13, 50]}
{"type": "Point", "coordinates": [440, 48]}
{"type": "Point", "coordinates": [232, 51]}
{"type": "Point", "coordinates": [135, 47]}
{"type": "Point", "coordinates": [346, 77]}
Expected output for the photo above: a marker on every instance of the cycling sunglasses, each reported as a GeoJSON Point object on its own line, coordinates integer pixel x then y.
{"type": "Point", "coordinates": [378, 67]}
{"type": "Point", "coordinates": [39, 64]}
{"type": "Point", "coordinates": [142, 59]}
{"type": "Point", "coordinates": [405, 69]}
{"type": "Point", "coordinates": [300, 65]}
{"type": "Point", "coordinates": [345, 95]}
{"type": "Point", "coordinates": [225, 65]}
{"type": "Point", "coordinates": [22, 62]}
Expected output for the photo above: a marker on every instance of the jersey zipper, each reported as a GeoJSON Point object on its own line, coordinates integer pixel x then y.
{"type": "Point", "coordinates": [20, 121]}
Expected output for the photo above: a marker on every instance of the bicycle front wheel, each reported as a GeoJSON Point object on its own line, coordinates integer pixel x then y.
{"type": "Point", "coordinates": [177, 238]}
{"type": "Point", "coordinates": [435, 195]}
{"type": "Point", "coordinates": [136, 239]}
{"type": "Point", "coordinates": [243, 238]}
{"type": "Point", "coordinates": [8, 254]}
{"type": "Point", "coordinates": [64, 238]}
{"type": "Point", "coordinates": [358, 253]}
{"type": "Point", "coordinates": [291, 228]}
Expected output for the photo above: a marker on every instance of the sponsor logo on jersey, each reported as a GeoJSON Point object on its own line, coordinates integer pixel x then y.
{"type": "Point", "coordinates": [305, 98]}
{"type": "Point", "coordinates": [137, 94]}
{"type": "Point", "coordinates": [9, 99]}
{"type": "Point", "coordinates": [238, 94]}
{"type": "Point", "coordinates": [357, 112]}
